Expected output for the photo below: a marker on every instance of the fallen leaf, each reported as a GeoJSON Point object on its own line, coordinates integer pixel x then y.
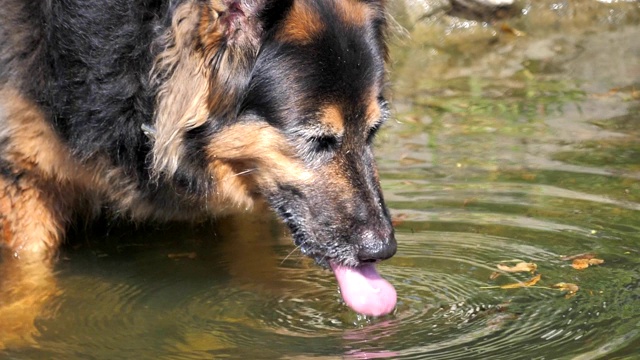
{"type": "Point", "coordinates": [469, 201]}
{"type": "Point", "coordinates": [494, 275]}
{"type": "Point", "coordinates": [519, 267]}
{"type": "Point", "coordinates": [510, 30]}
{"type": "Point", "coordinates": [408, 160]}
{"type": "Point", "coordinates": [570, 288]}
{"type": "Point", "coordinates": [581, 264]}
{"type": "Point", "coordinates": [579, 256]}
{"type": "Point", "coordinates": [596, 261]}
{"type": "Point", "coordinates": [534, 280]}
{"type": "Point", "coordinates": [566, 287]}
{"type": "Point", "coordinates": [398, 219]}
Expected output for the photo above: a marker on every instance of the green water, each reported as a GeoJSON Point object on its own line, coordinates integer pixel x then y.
{"type": "Point", "coordinates": [502, 148]}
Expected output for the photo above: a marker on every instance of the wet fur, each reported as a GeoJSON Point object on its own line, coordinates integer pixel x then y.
{"type": "Point", "coordinates": [183, 110]}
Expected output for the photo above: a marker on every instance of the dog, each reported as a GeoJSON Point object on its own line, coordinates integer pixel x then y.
{"type": "Point", "coordinates": [183, 110]}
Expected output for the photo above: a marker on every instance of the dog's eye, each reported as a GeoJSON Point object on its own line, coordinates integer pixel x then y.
{"type": "Point", "coordinates": [372, 132]}
{"type": "Point", "coordinates": [325, 143]}
{"type": "Point", "coordinates": [384, 115]}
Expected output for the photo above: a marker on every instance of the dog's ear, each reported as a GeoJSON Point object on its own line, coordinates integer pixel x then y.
{"type": "Point", "coordinates": [203, 67]}
{"type": "Point", "coordinates": [231, 32]}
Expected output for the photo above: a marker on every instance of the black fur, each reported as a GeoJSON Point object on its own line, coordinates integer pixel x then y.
{"type": "Point", "coordinates": [88, 67]}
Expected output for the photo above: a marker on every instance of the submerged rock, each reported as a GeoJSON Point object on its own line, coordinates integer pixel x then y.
{"type": "Point", "coordinates": [485, 10]}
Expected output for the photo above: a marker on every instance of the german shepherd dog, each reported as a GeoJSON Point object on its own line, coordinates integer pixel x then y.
{"type": "Point", "coordinates": [163, 110]}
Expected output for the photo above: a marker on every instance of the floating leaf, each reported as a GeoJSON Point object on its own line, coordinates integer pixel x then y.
{"type": "Point", "coordinates": [469, 201]}
{"type": "Point", "coordinates": [397, 220]}
{"type": "Point", "coordinates": [519, 267]}
{"type": "Point", "coordinates": [494, 275]}
{"type": "Point", "coordinates": [534, 280]}
{"type": "Point", "coordinates": [596, 261]}
{"type": "Point", "coordinates": [570, 288]}
{"type": "Point", "coordinates": [581, 264]}
{"type": "Point", "coordinates": [566, 287]}
{"type": "Point", "coordinates": [579, 256]}
{"type": "Point", "coordinates": [510, 30]}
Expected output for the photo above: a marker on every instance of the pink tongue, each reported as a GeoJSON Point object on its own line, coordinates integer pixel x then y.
{"type": "Point", "coordinates": [364, 290]}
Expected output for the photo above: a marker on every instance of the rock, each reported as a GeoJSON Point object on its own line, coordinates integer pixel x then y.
{"type": "Point", "coordinates": [412, 11]}
{"type": "Point", "coordinates": [484, 10]}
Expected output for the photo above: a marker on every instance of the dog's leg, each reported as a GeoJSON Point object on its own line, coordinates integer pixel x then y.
{"type": "Point", "coordinates": [36, 177]}
{"type": "Point", "coordinates": [34, 209]}
{"type": "Point", "coordinates": [32, 218]}
{"type": "Point", "coordinates": [31, 224]}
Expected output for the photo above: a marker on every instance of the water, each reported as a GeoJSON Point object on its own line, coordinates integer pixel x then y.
{"type": "Point", "coordinates": [506, 148]}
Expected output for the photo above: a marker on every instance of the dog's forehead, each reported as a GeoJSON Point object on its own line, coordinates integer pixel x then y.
{"type": "Point", "coordinates": [340, 36]}
{"type": "Point", "coordinates": [307, 18]}
{"type": "Point", "coordinates": [326, 63]}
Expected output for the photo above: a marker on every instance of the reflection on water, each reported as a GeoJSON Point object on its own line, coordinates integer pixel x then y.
{"type": "Point", "coordinates": [506, 149]}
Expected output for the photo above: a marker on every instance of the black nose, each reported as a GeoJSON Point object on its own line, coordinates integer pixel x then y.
{"type": "Point", "coordinates": [374, 248]}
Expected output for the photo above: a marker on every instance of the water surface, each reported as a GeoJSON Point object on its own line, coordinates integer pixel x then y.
{"type": "Point", "coordinates": [509, 143]}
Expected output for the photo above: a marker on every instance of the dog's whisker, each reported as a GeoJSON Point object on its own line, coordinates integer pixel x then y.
{"type": "Point", "coordinates": [244, 172]}
{"type": "Point", "coordinates": [291, 253]}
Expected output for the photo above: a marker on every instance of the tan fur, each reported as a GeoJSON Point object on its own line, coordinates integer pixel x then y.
{"type": "Point", "coordinates": [332, 118]}
{"type": "Point", "coordinates": [182, 98]}
{"type": "Point", "coordinates": [354, 11]}
{"type": "Point", "coordinates": [212, 36]}
{"type": "Point", "coordinates": [197, 74]}
{"type": "Point", "coordinates": [234, 185]}
{"type": "Point", "coordinates": [374, 113]}
{"type": "Point", "coordinates": [33, 208]}
{"type": "Point", "coordinates": [33, 217]}
{"type": "Point", "coordinates": [31, 142]}
{"type": "Point", "coordinates": [301, 25]}
{"type": "Point", "coordinates": [240, 41]}
{"type": "Point", "coordinates": [337, 180]}
{"type": "Point", "coordinates": [247, 155]}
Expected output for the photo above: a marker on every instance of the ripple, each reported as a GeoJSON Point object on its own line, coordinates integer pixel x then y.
{"type": "Point", "coordinates": [443, 311]}
{"type": "Point", "coordinates": [198, 309]}
{"type": "Point", "coordinates": [445, 314]}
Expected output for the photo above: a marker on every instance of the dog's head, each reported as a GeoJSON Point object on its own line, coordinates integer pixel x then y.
{"type": "Point", "coordinates": [281, 100]}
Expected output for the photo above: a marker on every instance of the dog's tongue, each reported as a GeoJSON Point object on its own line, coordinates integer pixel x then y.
{"type": "Point", "coordinates": [364, 290]}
